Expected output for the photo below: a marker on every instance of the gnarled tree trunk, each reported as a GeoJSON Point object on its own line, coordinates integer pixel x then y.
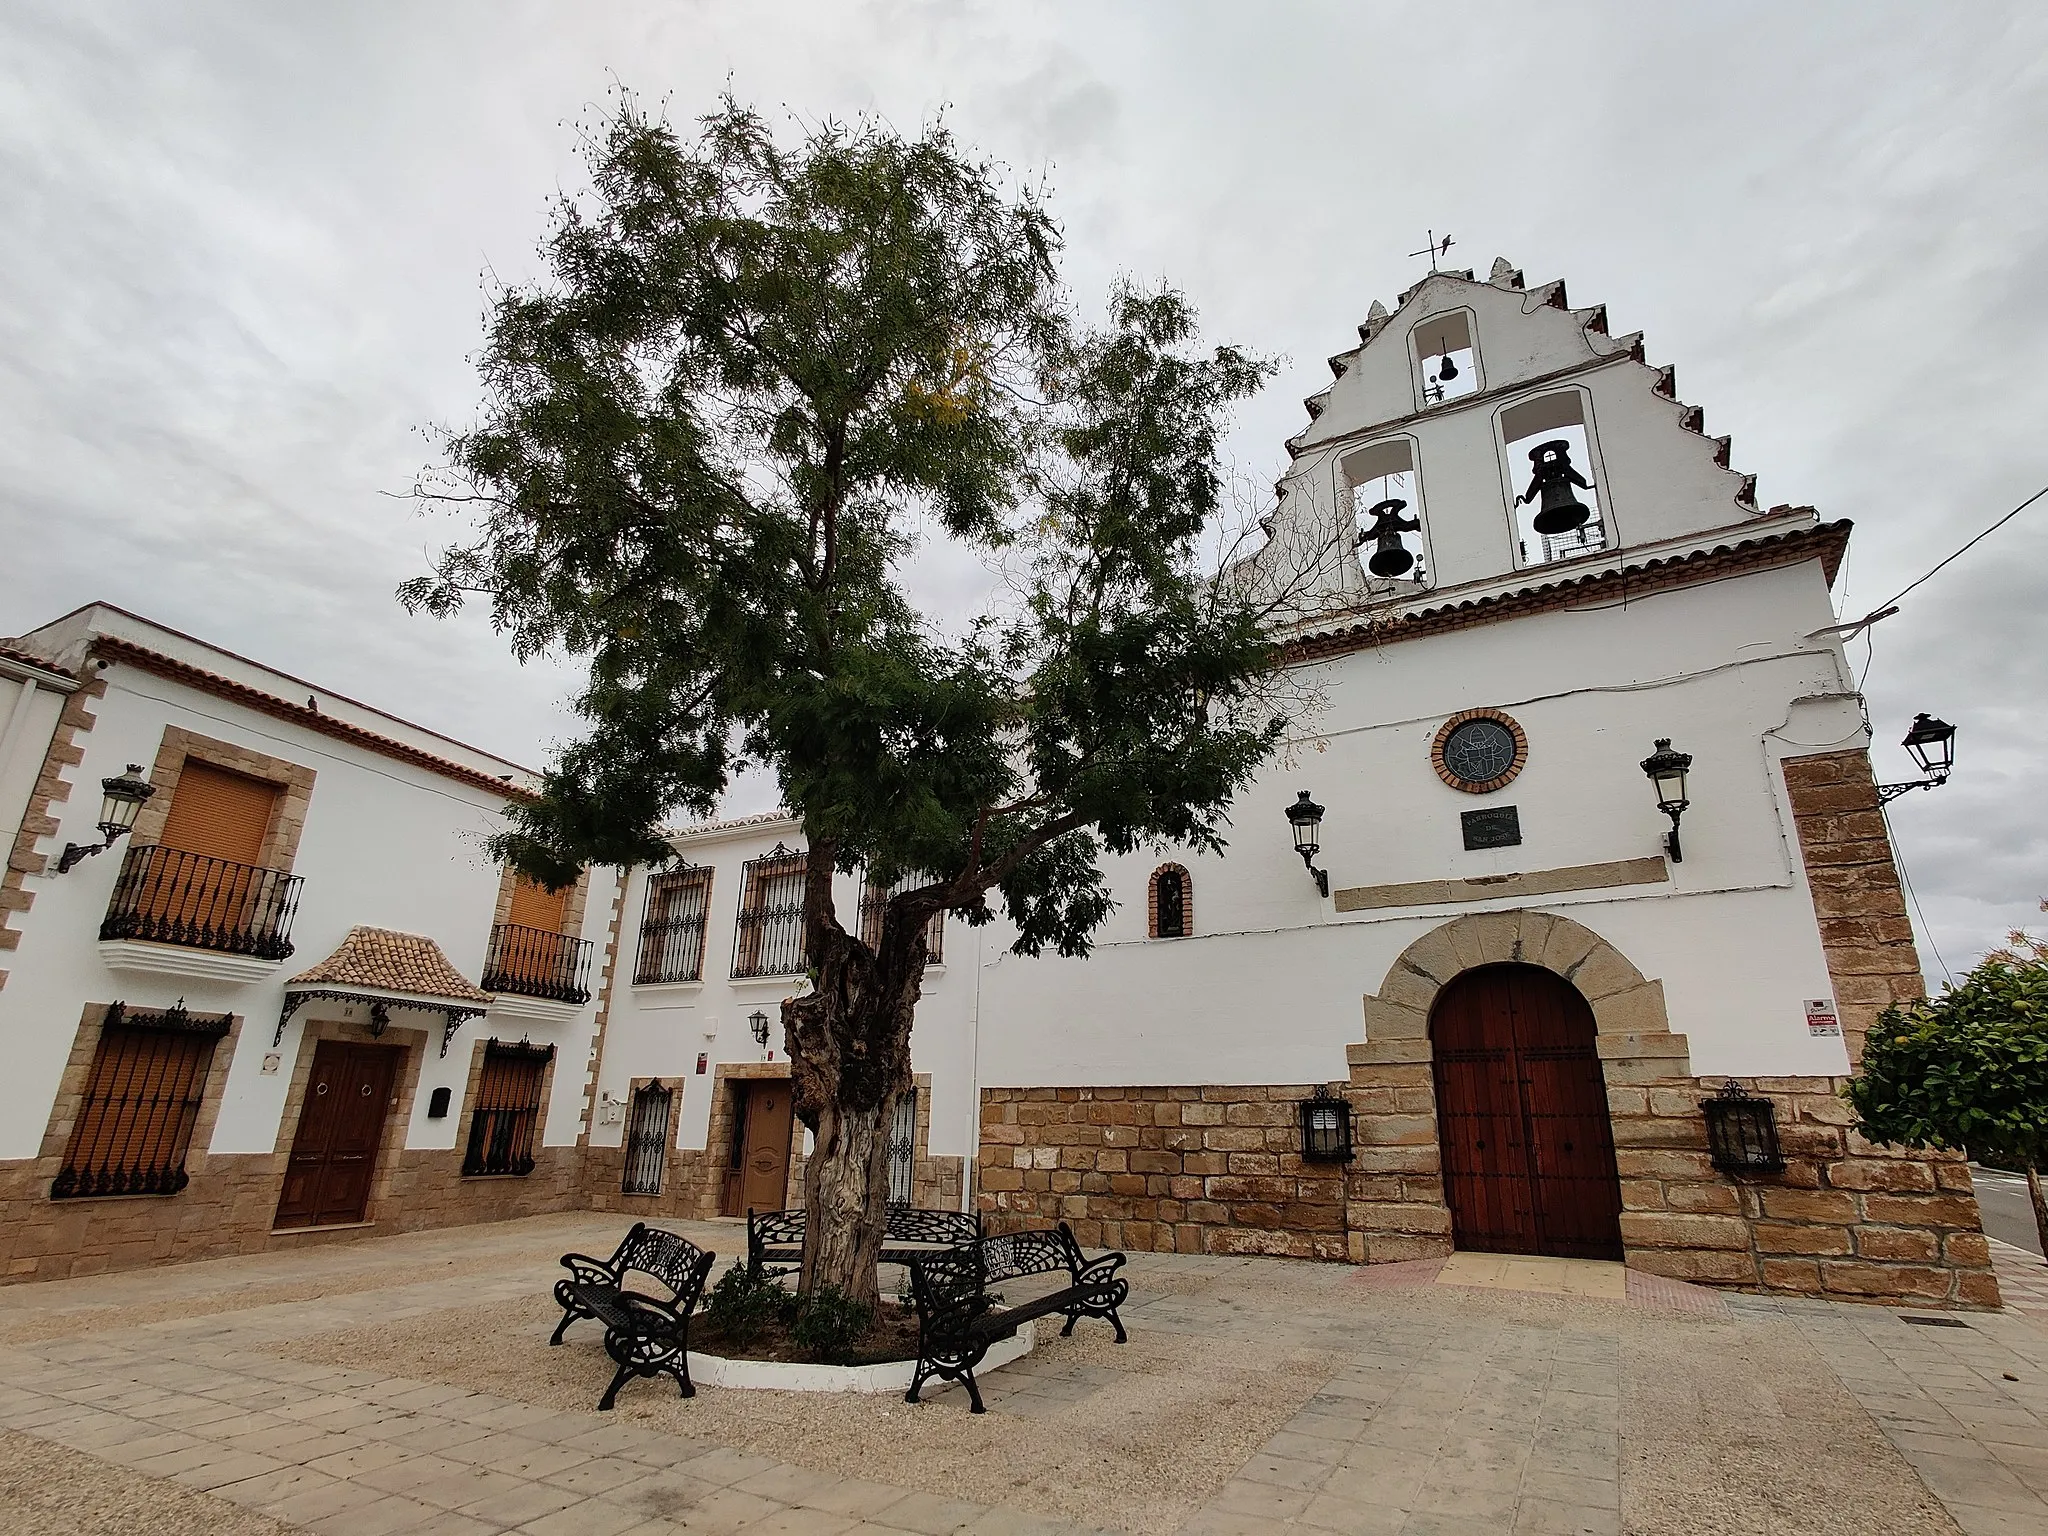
{"type": "Point", "coordinates": [849, 1052]}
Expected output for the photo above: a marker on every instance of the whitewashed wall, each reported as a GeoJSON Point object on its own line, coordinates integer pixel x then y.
{"type": "Point", "coordinates": [385, 844]}
{"type": "Point", "coordinates": [658, 1030]}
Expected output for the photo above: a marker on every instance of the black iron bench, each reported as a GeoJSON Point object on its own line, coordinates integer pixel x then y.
{"type": "Point", "coordinates": [775, 1239]}
{"type": "Point", "coordinates": [957, 1321]}
{"type": "Point", "coordinates": [675, 1261]}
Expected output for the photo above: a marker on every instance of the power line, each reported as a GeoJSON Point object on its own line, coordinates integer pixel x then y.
{"type": "Point", "coordinates": [2015, 512]}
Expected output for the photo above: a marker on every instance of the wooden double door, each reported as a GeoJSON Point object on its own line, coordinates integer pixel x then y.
{"type": "Point", "coordinates": [341, 1130]}
{"type": "Point", "coordinates": [1521, 1103]}
{"type": "Point", "coordinates": [757, 1170]}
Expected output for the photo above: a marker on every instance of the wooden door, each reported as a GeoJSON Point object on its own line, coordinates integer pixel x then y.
{"type": "Point", "coordinates": [760, 1176]}
{"type": "Point", "coordinates": [1528, 1149]}
{"type": "Point", "coordinates": [341, 1129]}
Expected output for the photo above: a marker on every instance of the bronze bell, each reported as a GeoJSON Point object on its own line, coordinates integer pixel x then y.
{"type": "Point", "coordinates": [1391, 558]}
{"type": "Point", "coordinates": [1553, 480]}
{"type": "Point", "coordinates": [1446, 366]}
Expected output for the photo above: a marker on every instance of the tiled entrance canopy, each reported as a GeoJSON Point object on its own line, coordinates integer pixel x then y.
{"type": "Point", "coordinates": [384, 960]}
{"type": "Point", "coordinates": [383, 966]}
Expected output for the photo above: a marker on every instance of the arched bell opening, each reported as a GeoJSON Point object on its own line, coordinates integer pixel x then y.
{"type": "Point", "coordinates": [1522, 1117]}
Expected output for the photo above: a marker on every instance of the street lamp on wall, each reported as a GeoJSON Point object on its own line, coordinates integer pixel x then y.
{"type": "Point", "coordinates": [1933, 745]}
{"type": "Point", "coordinates": [758, 1021]}
{"type": "Point", "coordinates": [120, 803]}
{"type": "Point", "coordinates": [1666, 770]}
{"type": "Point", "coordinates": [1307, 819]}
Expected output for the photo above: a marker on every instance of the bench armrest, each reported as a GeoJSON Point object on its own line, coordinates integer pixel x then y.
{"type": "Point", "coordinates": [1096, 1271]}
{"type": "Point", "coordinates": [590, 1271]}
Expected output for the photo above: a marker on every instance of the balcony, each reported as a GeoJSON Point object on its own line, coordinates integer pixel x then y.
{"type": "Point", "coordinates": [236, 917]}
{"type": "Point", "coordinates": [532, 962]}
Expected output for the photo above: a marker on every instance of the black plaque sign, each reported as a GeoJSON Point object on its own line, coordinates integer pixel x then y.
{"type": "Point", "coordinates": [1495, 826]}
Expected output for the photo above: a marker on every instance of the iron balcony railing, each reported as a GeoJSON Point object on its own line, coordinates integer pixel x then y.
{"type": "Point", "coordinates": [536, 963]}
{"type": "Point", "coordinates": [168, 896]}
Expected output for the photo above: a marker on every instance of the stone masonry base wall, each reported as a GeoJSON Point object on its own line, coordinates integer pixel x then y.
{"type": "Point", "coordinates": [1219, 1170]}
{"type": "Point", "coordinates": [228, 1207]}
{"type": "Point", "coordinates": [1187, 1170]}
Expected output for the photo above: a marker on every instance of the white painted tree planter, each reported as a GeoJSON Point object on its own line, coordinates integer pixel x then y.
{"type": "Point", "coordinates": [888, 1376]}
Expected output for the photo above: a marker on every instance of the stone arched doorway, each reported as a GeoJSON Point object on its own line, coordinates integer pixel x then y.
{"type": "Point", "coordinates": [1522, 1116]}
{"type": "Point", "coordinates": [1398, 1207]}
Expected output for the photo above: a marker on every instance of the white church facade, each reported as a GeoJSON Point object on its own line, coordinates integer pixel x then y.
{"type": "Point", "coordinates": [1484, 1013]}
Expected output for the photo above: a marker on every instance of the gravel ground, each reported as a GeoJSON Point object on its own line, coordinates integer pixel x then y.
{"type": "Point", "coordinates": [1729, 1428]}
{"type": "Point", "coordinates": [1168, 1420]}
{"type": "Point", "coordinates": [51, 1490]}
{"type": "Point", "coordinates": [78, 1321]}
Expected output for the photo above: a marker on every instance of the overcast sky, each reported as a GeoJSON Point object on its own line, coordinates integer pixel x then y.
{"type": "Point", "coordinates": [242, 248]}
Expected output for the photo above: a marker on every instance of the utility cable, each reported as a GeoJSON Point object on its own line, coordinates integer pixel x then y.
{"type": "Point", "coordinates": [2015, 512]}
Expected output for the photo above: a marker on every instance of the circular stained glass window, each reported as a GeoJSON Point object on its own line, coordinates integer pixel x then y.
{"type": "Point", "coordinates": [1479, 751]}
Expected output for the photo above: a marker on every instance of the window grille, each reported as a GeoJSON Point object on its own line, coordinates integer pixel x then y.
{"type": "Point", "coordinates": [647, 1141]}
{"type": "Point", "coordinates": [141, 1102]}
{"type": "Point", "coordinates": [903, 1150]}
{"type": "Point", "coordinates": [874, 899]}
{"type": "Point", "coordinates": [770, 941]}
{"type": "Point", "coordinates": [1173, 918]}
{"type": "Point", "coordinates": [506, 1124]}
{"type": "Point", "coordinates": [1171, 903]}
{"type": "Point", "coordinates": [672, 927]}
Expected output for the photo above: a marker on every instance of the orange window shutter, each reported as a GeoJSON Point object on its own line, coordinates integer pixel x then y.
{"type": "Point", "coordinates": [535, 906]}
{"type": "Point", "coordinates": [218, 814]}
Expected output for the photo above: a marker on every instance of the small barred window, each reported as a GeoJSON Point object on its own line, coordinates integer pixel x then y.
{"type": "Point", "coordinates": [1171, 903]}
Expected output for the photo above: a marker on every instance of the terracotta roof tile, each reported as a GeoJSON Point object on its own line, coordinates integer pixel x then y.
{"type": "Point", "coordinates": [387, 961]}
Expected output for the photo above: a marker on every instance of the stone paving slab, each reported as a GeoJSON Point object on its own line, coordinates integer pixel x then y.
{"type": "Point", "coordinates": [1449, 1416]}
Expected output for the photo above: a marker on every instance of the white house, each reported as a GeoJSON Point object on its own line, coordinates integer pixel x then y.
{"type": "Point", "coordinates": [297, 997]}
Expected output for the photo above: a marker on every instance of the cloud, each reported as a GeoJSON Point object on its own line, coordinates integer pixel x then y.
{"type": "Point", "coordinates": [244, 248]}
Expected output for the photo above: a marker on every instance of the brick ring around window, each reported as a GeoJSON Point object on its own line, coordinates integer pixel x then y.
{"type": "Point", "coordinates": [1486, 757]}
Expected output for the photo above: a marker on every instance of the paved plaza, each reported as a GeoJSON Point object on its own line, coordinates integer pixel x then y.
{"type": "Point", "coordinates": [405, 1385]}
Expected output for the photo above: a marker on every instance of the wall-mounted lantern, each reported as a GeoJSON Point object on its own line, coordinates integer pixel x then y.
{"type": "Point", "coordinates": [1742, 1131]}
{"type": "Point", "coordinates": [121, 800]}
{"type": "Point", "coordinates": [758, 1021]}
{"type": "Point", "coordinates": [1307, 819]}
{"type": "Point", "coordinates": [1933, 745]}
{"type": "Point", "coordinates": [1666, 770]}
{"type": "Point", "coordinates": [1325, 1127]}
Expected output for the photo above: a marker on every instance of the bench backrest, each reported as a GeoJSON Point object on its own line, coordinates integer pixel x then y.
{"type": "Point", "coordinates": [950, 1286]}
{"type": "Point", "coordinates": [777, 1227]}
{"type": "Point", "coordinates": [669, 1257]}
{"type": "Point", "coordinates": [1016, 1254]}
{"type": "Point", "coordinates": [907, 1224]}
{"type": "Point", "coordinates": [913, 1224]}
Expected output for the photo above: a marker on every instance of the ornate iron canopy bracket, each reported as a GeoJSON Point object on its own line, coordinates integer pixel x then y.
{"type": "Point", "coordinates": [454, 1014]}
{"type": "Point", "coordinates": [454, 1022]}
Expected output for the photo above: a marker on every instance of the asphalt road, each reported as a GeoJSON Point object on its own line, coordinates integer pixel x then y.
{"type": "Point", "coordinates": [2008, 1213]}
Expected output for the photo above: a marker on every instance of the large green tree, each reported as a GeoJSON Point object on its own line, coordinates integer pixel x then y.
{"type": "Point", "coordinates": [1967, 1070]}
{"type": "Point", "coordinates": [757, 379]}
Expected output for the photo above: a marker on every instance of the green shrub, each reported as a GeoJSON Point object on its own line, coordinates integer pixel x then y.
{"type": "Point", "coordinates": [828, 1324]}
{"type": "Point", "coordinates": [743, 1305]}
